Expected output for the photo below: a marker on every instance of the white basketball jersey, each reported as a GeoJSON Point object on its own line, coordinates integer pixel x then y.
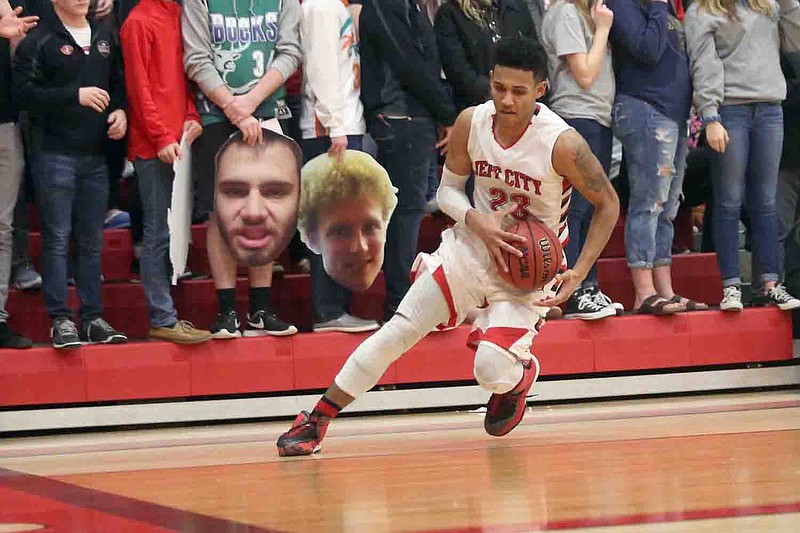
{"type": "Point", "coordinates": [522, 173]}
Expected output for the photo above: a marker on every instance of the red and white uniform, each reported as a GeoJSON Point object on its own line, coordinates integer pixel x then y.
{"type": "Point", "coordinates": [521, 173]}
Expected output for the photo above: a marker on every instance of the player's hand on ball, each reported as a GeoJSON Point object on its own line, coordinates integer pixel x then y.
{"type": "Point", "coordinates": [489, 227]}
{"type": "Point", "coordinates": [567, 282]}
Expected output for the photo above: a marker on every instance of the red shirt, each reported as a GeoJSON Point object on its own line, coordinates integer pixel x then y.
{"type": "Point", "coordinates": [159, 100]}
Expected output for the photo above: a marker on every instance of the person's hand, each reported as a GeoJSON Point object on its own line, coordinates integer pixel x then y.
{"type": "Point", "coordinates": [94, 97]}
{"type": "Point", "coordinates": [602, 16]}
{"type": "Point", "coordinates": [191, 131]}
{"type": "Point", "coordinates": [239, 108]}
{"type": "Point", "coordinates": [12, 26]}
{"type": "Point", "coordinates": [445, 133]}
{"type": "Point", "coordinates": [117, 125]}
{"type": "Point", "coordinates": [251, 130]}
{"type": "Point", "coordinates": [717, 136]}
{"type": "Point", "coordinates": [489, 227]}
{"type": "Point", "coordinates": [338, 146]}
{"type": "Point", "coordinates": [567, 282]}
{"type": "Point", "coordinates": [698, 216]}
{"type": "Point", "coordinates": [103, 9]}
{"type": "Point", "coordinates": [170, 153]}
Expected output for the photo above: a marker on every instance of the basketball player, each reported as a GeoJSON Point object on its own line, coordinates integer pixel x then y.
{"type": "Point", "coordinates": [526, 161]}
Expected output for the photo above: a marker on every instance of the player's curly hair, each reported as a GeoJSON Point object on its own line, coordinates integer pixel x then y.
{"type": "Point", "coordinates": [326, 181]}
{"type": "Point", "coordinates": [522, 53]}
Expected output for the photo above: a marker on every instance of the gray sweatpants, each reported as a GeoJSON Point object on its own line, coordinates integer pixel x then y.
{"type": "Point", "coordinates": [11, 169]}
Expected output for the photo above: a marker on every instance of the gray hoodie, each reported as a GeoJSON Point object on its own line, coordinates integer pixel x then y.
{"type": "Point", "coordinates": [737, 62]}
{"type": "Point", "coordinates": [200, 55]}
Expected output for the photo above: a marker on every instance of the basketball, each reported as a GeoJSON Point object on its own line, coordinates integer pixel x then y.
{"type": "Point", "coordinates": [541, 259]}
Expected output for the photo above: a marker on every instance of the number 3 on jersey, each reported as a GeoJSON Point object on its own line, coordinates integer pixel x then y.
{"type": "Point", "coordinates": [258, 60]}
{"type": "Point", "coordinates": [501, 198]}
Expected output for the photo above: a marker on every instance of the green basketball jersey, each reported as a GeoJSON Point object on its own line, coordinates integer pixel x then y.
{"type": "Point", "coordinates": [243, 38]}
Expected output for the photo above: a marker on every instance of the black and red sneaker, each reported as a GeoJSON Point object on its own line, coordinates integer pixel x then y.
{"type": "Point", "coordinates": [304, 437]}
{"type": "Point", "coordinates": [505, 411]}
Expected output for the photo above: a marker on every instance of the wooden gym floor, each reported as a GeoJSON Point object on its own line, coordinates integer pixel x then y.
{"type": "Point", "coordinates": [701, 464]}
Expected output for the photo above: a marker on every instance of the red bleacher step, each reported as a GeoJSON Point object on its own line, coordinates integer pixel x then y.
{"type": "Point", "coordinates": [695, 276]}
{"type": "Point", "coordinates": [155, 370]}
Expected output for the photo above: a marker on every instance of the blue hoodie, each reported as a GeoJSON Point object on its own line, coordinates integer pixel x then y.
{"type": "Point", "coordinates": [650, 58]}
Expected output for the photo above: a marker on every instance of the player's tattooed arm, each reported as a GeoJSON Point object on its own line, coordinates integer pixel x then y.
{"type": "Point", "coordinates": [573, 159]}
{"type": "Point", "coordinates": [589, 167]}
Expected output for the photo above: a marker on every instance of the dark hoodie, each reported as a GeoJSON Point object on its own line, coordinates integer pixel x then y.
{"type": "Point", "coordinates": [650, 58]}
{"type": "Point", "coordinates": [50, 68]}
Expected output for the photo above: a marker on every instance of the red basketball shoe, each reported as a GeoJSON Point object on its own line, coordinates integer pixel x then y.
{"type": "Point", "coordinates": [304, 437]}
{"type": "Point", "coordinates": [505, 411]}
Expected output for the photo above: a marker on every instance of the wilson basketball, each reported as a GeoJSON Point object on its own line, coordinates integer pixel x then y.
{"type": "Point", "coordinates": [542, 256]}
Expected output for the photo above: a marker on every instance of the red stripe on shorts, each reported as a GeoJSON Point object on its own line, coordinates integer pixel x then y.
{"type": "Point", "coordinates": [441, 280]}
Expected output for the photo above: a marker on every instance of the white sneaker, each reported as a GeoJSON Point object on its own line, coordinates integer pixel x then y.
{"type": "Point", "coordinates": [583, 306]}
{"type": "Point", "coordinates": [347, 324]}
{"type": "Point", "coordinates": [731, 299]}
{"type": "Point", "coordinates": [603, 299]}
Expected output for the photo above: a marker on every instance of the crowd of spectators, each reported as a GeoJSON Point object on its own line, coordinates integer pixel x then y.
{"type": "Point", "coordinates": [96, 83]}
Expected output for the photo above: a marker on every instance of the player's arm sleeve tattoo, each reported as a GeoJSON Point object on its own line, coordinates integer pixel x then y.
{"type": "Point", "coordinates": [588, 166]}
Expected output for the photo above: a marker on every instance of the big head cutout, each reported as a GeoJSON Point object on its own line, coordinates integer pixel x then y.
{"type": "Point", "coordinates": [345, 207]}
{"type": "Point", "coordinates": [256, 195]}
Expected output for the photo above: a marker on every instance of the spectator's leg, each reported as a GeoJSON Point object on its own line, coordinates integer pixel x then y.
{"type": "Point", "coordinates": [115, 159]}
{"type": "Point", "coordinates": [11, 170]}
{"type": "Point", "coordinates": [137, 216]}
{"type": "Point", "coordinates": [91, 202]}
{"type": "Point", "coordinates": [21, 233]}
{"type": "Point", "coordinates": [55, 178]}
{"type": "Point", "coordinates": [155, 188]}
{"type": "Point", "coordinates": [665, 232]}
{"type": "Point", "coordinates": [204, 151]}
{"type": "Point", "coordinates": [728, 183]}
{"type": "Point", "coordinates": [405, 149]}
{"type": "Point", "coordinates": [788, 206]}
{"type": "Point", "coordinates": [20, 259]}
{"type": "Point", "coordinates": [637, 136]}
{"type": "Point", "coordinates": [581, 210]}
{"type": "Point", "coordinates": [761, 189]}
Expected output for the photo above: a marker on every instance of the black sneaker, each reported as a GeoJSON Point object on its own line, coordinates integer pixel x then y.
{"type": "Point", "coordinates": [65, 334]}
{"type": "Point", "coordinates": [98, 331]}
{"type": "Point", "coordinates": [778, 296]}
{"type": "Point", "coordinates": [226, 326]}
{"type": "Point", "coordinates": [583, 305]}
{"type": "Point", "coordinates": [265, 322]}
{"type": "Point", "coordinates": [11, 339]}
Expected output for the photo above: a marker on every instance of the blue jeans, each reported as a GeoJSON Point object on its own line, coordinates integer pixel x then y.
{"type": "Point", "coordinates": [329, 299]}
{"type": "Point", "coordinates": [406, 149]}
{"type": "Point", "coordinates": [788, 198]}
{"type": "Point", "coordinates": [155, 192]}
{"type": "Point", "coordinates": [581, 210]}
{"type": "Point", "coordinates": [71, 187]}
{"type": "Point", "coordinates": [748, 170]}
{"type": "Point", "coordinates": [655, 150]}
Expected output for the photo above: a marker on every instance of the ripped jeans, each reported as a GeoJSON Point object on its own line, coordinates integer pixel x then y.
{"type": "Point", "coordinates": [655, 148]}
